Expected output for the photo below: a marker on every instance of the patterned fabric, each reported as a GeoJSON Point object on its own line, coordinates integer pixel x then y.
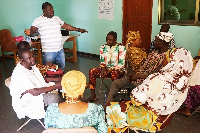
{"type": "Point", "coordinates": [153, 63]}
{"type": "Point", "coordinates": [95, 73]}
{"type": "Point", "coordinates": [121, 115]}
{"type": "Point", "coordinates": [152, 45]}
{"type": "Point", "coordinates": [113, 57]}
{"type": "Point", "coordinates": [42, 68]}
{"type": "Point", "coordinates": [94, 117]}
{"type": "Point", "coordinates": [135, 56]}
{"type": "Point", "coordinates": [165, 91]}
{"type": "Point", "coordinates": [73, 83]}
{"type": "Point", "coordinates": [131, 36]}
{"type": "Point", "coordinates": [165, 36]}
{"type": "Point", "coordinates": [160, 94]}
{"type": "Point", "coordinates": [50, 33]}
{"type": "Point", "coordinates": [193, 96]}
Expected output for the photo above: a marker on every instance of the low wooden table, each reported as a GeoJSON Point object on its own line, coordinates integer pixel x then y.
{"type": "Point", "coordinates": [37, 49]}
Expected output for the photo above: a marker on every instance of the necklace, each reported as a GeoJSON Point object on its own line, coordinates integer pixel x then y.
{"type": "Point", "coordinates": [72, 101]}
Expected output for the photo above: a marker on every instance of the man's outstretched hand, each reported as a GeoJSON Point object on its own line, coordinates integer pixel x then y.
{"type": "Point", "coordinates": [27, 31]}
{"type": "Point", "coordinates": [83, 31]}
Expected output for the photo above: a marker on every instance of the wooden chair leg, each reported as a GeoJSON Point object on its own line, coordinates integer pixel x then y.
{"type": "Point", "coordinates": [15, 56]}
{"type": "Point", "coordinates": [196, 110]}
{"type": "Point", "coordinates": [3, 57]}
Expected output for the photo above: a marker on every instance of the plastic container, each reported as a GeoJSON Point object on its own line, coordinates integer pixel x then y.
{"type": "Point", "coordinates": [105, 98]}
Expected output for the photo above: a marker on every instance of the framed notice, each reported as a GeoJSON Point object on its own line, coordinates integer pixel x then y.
{"type": "Point", "coordinates": [106, 9]}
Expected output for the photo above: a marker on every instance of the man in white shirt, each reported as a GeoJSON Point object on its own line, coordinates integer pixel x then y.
{"type": "Point", "coordinates": [29, 89]}
{"type": "Point", "coordinates": [49, 27]}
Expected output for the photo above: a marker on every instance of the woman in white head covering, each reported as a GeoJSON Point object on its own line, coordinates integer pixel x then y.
{"type": "Point", "coordinates": [73, 113]}
{"type": "Point", "coordinates": [159, 95]}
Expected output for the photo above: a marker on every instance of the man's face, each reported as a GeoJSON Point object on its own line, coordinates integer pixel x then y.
{"type": "Point", "coordinates": [28, 59]}
{"type": "Point", "coordinates": [48, 11]}
{"type": "Point", "coordinates": [158, 43]}
{"type": "Point", "coordinates": [110, 40]}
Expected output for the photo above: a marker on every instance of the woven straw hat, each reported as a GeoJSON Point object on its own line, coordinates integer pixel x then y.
{"type": "Point", "coordinates": [73, 83]}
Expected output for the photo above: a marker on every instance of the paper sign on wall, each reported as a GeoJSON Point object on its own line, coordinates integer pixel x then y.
{"type": "Point", "coordinates": [106, 9]}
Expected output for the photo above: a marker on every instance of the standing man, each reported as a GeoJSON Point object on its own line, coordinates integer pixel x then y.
{"type": "Point", "coordinates": [49, 27]}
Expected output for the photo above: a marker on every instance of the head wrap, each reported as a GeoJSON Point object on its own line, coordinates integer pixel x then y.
{"type": "Point", "coordinates": [166, 90]}
{"type": "Point", "coordinates": [73, 83]}
{"type": "Point", "coordinates": [131, 36]}
{"type": "Point", "coordinates": [166, 36]}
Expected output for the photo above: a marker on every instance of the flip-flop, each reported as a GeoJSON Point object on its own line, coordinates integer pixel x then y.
{"type": "Point", "coordinates": [182, 114]}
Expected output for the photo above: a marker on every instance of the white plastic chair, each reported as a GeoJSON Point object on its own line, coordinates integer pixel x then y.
{"type": "Point", "coordinates": [27, 121]}
{"type": "Point", "coordinates": [7, 83]}
{"type": "Point", "coordinates": [71, 130]}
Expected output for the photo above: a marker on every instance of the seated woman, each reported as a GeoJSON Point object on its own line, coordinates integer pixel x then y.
{"type": "Point", "coordinates": [134, 54]}
{"type": "Point", "coordinates": [165, 29]}
{"type": "Point", "coordinates": [160, 95]}
{"type": "Point", "coordinates": [112, 62]}
{"type": "Point", "coordinates": [153, 63]}
{"type": "Point", "coordinates": [193, 96]}
{"type": "Point", "coordinates": [73, 113]}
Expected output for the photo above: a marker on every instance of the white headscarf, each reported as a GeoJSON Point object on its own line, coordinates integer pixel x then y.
{"type": "Point", "coordinates": [165, 91]}
{"type": "Point", "coordinates": [166, 36]}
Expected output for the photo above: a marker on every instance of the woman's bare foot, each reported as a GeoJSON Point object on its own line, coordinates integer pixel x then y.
{"type": "Point", "coordinates": [184, 111]}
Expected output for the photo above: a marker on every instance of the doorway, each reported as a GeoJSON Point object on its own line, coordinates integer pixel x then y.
{"type": "Point", "coordinates": [137, 16]}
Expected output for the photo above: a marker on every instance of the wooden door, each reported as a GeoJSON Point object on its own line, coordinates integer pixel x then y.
{"type": "Point", "coordinates": [137, 16]}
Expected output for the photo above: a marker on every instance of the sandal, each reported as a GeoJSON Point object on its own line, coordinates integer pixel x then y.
{"type": "Point", "coordinates": [181, 112]}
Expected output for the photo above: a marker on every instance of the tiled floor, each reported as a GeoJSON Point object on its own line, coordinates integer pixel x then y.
{"type": "Point", "coordinates": [9, 123]}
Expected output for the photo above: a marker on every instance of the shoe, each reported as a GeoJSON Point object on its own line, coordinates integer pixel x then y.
{"type": "Point", "coordinates": [90, 100]}
{"type": "Point", "coordinates": [182, 113]}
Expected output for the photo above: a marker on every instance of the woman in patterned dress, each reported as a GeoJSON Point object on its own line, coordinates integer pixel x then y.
{"type": "Point", "coordinates": [134, 54]}
{"type": "Point", "coordinates": [73, 113]}
{"type": "Point", "coordinates": [160, 95]}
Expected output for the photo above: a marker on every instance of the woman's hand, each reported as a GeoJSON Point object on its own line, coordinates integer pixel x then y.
{"type": "Point", "coordinates": [133, 77]}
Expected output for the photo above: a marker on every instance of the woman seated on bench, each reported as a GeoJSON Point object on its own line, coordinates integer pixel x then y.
{"type": "Point", "coordinates": [160, 95]}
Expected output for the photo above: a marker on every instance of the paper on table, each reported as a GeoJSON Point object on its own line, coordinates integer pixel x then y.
{"type": "Point", "coordinates": [64, 38]}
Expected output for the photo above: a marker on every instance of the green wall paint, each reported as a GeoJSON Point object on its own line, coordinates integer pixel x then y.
{"type": "Point", "coordinates": [18, 15]}
{"type": "Point", "coordinates": [185, 36]}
